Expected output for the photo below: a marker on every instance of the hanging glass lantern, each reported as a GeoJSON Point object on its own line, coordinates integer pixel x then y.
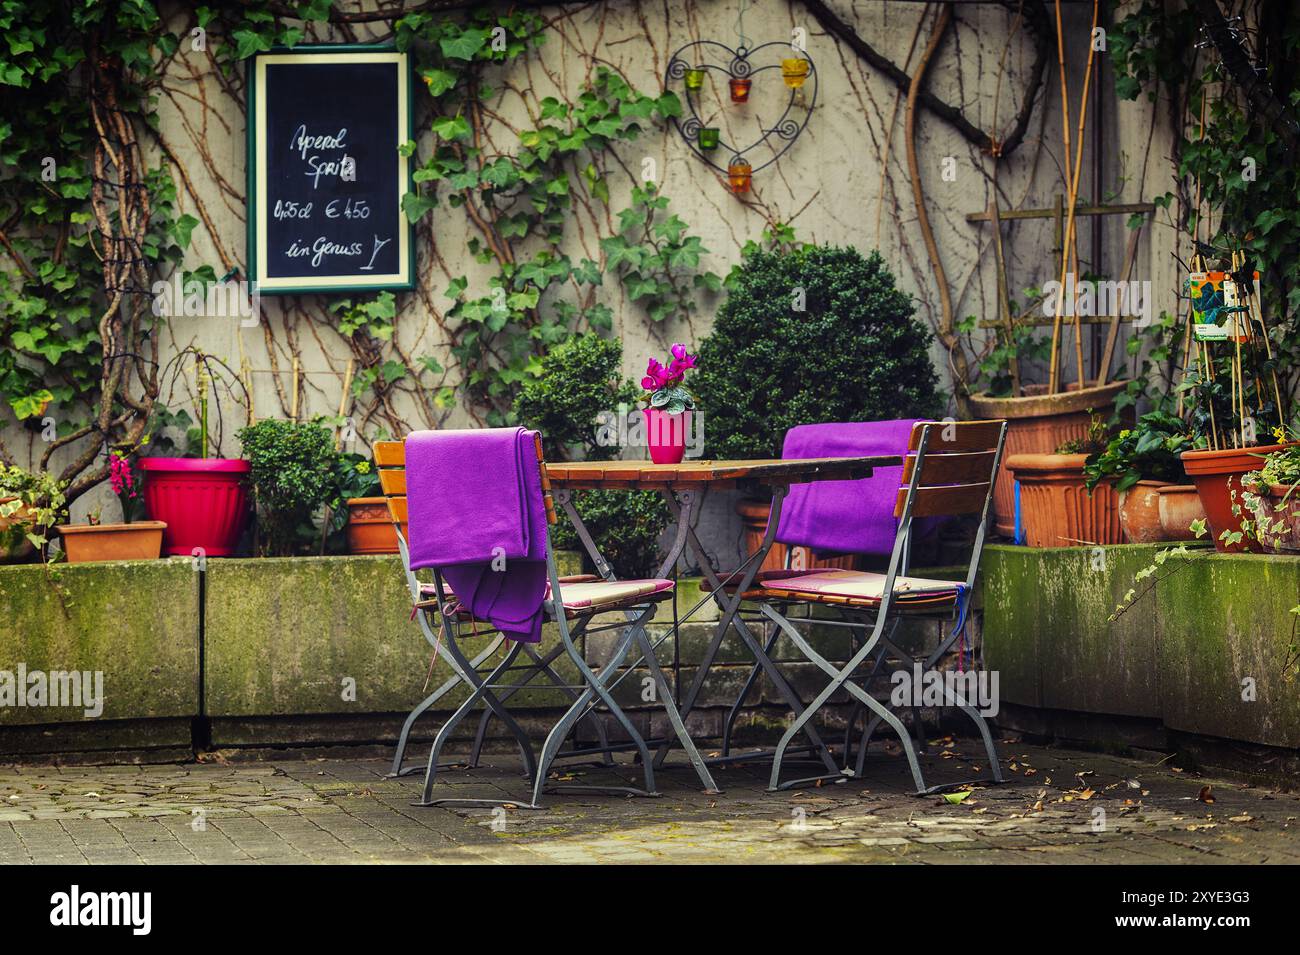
{"type": "Point", "coordinates": [740, 89]}
{"type": "Point", "coordinates": [710, 136]}
{"type": "Point", "coordinates": [794, 71]}
{"type": "Point", "coordinates": [739, 176]}
{"type": "Point", "coordinates": [694, 79]}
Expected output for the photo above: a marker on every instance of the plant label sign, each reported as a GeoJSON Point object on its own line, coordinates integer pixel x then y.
{"type": "Point", "coordinates": [325, 174]}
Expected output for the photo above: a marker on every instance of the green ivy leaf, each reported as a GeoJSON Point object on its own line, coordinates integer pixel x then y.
{"type": "Point", "coordinates": [465, 45]}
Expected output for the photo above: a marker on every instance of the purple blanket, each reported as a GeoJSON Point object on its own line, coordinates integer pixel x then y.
{"type": "Point", "coordinates": [477, 514]}
{"type": "Point", "coordinates": [845, 517]}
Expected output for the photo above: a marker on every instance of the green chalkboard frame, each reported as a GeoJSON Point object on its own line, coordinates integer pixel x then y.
{"type": "Point", "coordinates": [256, 132]}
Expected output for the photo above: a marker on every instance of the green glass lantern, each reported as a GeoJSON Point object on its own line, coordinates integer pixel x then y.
{"type": "Point", "coordinates": [710, 136]}
{"type": "Point", "coordinates": [694, 79]}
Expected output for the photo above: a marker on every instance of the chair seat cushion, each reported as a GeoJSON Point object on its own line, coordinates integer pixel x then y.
{"type": "Point", "coordinates": [591, 595]}
{"type": "Point", "coordinates": [585, 593]}
{"type": "Point", "coordinates": [859, 585]}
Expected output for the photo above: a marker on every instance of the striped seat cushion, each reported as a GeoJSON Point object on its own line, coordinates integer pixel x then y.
{"type": "Point", "coordinates": [858, 585]}
{"type": "Point", "coordinates": [590, 595]}
{"type": "Point", "coordinates": [585, 592]}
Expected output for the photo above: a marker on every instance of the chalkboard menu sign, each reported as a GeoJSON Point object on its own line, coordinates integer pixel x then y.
{"type": "Point", "coordinates": [325, 178]}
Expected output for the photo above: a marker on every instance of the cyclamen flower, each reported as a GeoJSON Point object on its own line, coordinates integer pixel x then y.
{"type": "Point", "coordinates": [658, 377]}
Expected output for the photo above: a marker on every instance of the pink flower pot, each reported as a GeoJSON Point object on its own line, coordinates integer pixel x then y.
{"type": "Point", "coordinates": [666, 435]}
{"type": "Point", "coordinates": [203, 500]}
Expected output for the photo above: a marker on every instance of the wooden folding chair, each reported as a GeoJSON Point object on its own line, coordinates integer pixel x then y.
{"type": "Point", "coordinates": [573, 604]}
{"type": "Point", "coordinates": [390, 459]}
{"type": "Point", "coordinates": [949, 471]}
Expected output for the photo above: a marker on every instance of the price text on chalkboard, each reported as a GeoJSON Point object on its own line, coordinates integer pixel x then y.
{"type": "Point", "coordinates": [325, 178]}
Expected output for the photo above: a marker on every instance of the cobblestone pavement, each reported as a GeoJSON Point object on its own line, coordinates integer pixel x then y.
{"type": "Point", "coordinates": [1059, 806]}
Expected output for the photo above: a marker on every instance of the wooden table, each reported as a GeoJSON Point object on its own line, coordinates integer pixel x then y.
{"type": "Point", "coordinates": [770, 472]}
{"type": "Point", "coordinates": [684, 487]}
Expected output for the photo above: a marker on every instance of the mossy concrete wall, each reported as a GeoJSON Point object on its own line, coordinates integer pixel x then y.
{"type": "Point", "coordinates": [1210, 650]}
{"type": "Point", "coordinates": [136, 622]}
{"type": "Point", "coordinates": [1209, 647]}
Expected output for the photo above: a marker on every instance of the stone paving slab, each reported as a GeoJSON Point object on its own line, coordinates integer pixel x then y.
{"type": "Point", "coordinates": [1058, 806]}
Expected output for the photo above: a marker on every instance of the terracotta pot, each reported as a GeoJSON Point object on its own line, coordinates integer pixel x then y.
{"type": "Point", "coordinates": [1217, 476]}
{"type": "Point", "coordinates": [203, 501]}
{"type": "Point", "coordinates": [370, 527]}
{"type": "Point", "coordinates": [141, 540]}
{"type": "Point", "coordinates": [1180, 506]}
{"type": "Point", "coordinates": [1056, 510]}
{"type": "Point", "coordinates": [753, 514]}
{"type": "Point", "coordinates": [1277, 518]}
{"type": "Point", "coordinates": [15, 548]}
{"type": "Point", "coordinates": [1139, 513]}
{"type": "Point", "coordinates": [1039, 424]}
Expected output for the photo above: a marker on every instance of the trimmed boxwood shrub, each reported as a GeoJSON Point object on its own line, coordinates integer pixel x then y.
{"type": "Point", "coordinates": [854, 353]}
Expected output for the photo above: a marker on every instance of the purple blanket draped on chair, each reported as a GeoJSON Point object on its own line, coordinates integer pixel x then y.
{"type": "Point", "coordinates": [478, 516]}
{"type": "Point", "coordinates": [845, 517]}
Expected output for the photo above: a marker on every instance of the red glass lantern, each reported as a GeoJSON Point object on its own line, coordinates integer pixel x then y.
{"type": "Point", "coordinates": [740, 89]}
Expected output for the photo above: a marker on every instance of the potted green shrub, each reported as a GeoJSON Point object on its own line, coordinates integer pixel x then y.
{"type": "Point", "coordinates": [1141, 462]}
{"type": "Point", "coordinates": [809, 334]}
{"type": "Point", "coordinates": [293, 477]}
{"type": "Point", "coordinates": [1234, 393]}
{"type": "Point", "coordinates": [30, 504]}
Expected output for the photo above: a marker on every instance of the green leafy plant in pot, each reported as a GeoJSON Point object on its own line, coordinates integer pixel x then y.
{"type": "Point", "coordinates": [31, 503]}
{"type": "Point", "coordinates": [1141, 462]}
{"type": "Point", "coordinates": [293, 471]}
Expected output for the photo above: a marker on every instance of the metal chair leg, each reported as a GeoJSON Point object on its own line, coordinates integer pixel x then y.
{"type": "Point", "coordinates": [674, 717]}
{"type": "Point", "coordinates": [734, 713]}
{"type": "Point", "coordinates": [444, 733]}
{"type": "Point", "coordinates": [453, 681]}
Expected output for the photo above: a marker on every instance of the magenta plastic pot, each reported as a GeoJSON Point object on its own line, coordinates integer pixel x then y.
{"type": "Point", "coordinates": [203, 500]}
{"type": "Point", "coordinates": [666, 435]}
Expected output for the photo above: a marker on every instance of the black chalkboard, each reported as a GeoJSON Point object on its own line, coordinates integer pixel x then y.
{"type": "Point", "coordinates": [325, 178]}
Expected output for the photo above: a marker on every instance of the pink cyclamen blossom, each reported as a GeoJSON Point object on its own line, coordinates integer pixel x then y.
{"type": "Point", "coordinates": [657, 376]}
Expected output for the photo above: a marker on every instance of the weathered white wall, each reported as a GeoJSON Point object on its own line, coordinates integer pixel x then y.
{"type": "Point", "coordinates": [846, 181]}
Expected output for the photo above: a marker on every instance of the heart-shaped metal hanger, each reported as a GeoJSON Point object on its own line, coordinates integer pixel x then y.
{"type": "Point", "coordinates": [688, 68]}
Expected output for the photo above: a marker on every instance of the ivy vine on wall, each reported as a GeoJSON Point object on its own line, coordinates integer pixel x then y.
{"type": "Point", "coordinates": [82, 85]}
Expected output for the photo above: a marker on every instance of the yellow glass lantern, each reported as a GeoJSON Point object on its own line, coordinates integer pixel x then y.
{"type": "Point", "coordinates": [739, 176]}
{"type": "Point", "coordinates": [740, 89]}
{"type": "Point", "coordinates": [794, 71]}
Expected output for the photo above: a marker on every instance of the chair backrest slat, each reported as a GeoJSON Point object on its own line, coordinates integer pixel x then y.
{"type": "Point", "coordinates": [970, 467]}
{"type": "Point", "coordinates": [945, 500]}
{"type": "Point", "coordinates": [390, 454]}
{"type": "Point", "coordinates": [546, 480]}
{"type": "Point", "coordinates": [392, 482]}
